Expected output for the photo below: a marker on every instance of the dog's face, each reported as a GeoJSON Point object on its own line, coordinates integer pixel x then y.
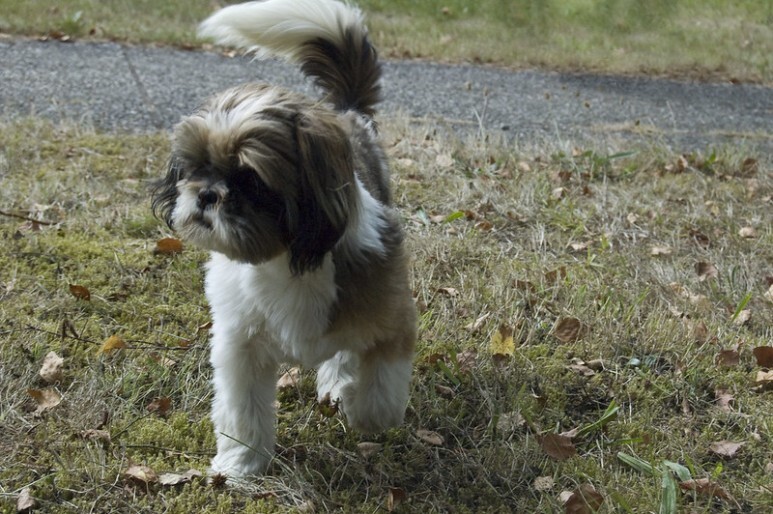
{"type": "Point", "coordinates": [257, 172]}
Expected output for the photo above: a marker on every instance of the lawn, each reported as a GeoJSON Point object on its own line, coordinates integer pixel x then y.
{"type": "Point", "coordinates": [704, 39]}
{"type": "Point", "coordinates": [596, 328]}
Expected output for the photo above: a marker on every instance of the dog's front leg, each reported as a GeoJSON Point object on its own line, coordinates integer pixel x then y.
{"type": "Point", "coordinates": [243, 408]}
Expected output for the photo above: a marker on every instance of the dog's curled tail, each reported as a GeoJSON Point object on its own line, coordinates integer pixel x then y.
{"type": "Point", "coordinates": [326, 37]}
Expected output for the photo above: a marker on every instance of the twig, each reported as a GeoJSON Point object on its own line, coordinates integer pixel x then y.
{"type": "Point", "coordinates": [26, 218]}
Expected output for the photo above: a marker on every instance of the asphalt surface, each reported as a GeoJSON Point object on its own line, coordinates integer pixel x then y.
{"type": "Point", "coordinates": [133, 88]}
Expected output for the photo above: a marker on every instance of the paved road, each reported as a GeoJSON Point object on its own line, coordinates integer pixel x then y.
{"type": "Point", "coordinates": [118, 87]}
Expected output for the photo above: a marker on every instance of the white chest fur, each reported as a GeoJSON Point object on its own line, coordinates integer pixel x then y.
{"type": "Point", "coordinates": [268, 306]}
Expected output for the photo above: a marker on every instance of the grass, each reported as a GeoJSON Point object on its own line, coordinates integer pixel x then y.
{"type": "Point", "coordinates": [500, 238]}
{"type": "Point", "coordinates": [704, 39]}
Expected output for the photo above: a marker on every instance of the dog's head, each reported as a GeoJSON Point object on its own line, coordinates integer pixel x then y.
{"type": "Point", "coordinates": [257, 172]}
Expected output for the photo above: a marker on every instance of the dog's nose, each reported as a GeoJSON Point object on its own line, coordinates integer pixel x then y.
{"type": "Point", "coordinates": [207, 197]}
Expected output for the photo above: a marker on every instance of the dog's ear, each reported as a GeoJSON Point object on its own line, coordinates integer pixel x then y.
{"type": "Point", "coordinates": [325, 194]}
{"type": "Point", "coordinates": [164, 192]}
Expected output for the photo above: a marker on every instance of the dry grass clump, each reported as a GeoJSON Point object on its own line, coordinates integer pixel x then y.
{"type": "Point", "coordinates": [588, 325]}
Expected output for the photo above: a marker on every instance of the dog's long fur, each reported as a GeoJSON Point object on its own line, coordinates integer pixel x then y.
{"type": "Point", "coordinates": [291, 195]}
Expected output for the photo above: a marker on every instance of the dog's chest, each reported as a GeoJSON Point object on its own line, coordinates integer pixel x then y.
{"type": "Point", "coordinates": [270, 305]}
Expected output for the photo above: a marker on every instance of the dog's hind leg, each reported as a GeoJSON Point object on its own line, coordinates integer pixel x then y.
{"type": "Point", "coordinates": [377, 398]}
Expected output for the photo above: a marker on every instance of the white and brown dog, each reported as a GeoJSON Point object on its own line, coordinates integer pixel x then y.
{"type": "Point", "coordinates": [291, 196]}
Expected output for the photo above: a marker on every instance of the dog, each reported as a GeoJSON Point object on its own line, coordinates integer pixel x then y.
{"type": "Point", "coordinates": [291, 196]}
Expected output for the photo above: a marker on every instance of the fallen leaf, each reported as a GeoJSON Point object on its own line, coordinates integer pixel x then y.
{"type": "Point", "coordinates": [743, 317]}
{"type": "Point", "coordinates": [80, 292]}
{"type": "Point", "coordinates": [168, 246]}
{"type": "Point", "coordinates": [289, 379]}
{"type": "Point", "coordinates": [160, 406]}
{"type": "Point", "coordinates": [395, 497]}
{"type": "Point", "coordinates": [725, 400]}
{"type": "Point", "coordinates": [543, 484]}
{"type": "Point", "coordinates": [445, 391]}
{"type": "Point", "coordinates": [51, 370]}
{"type": "Point", "coordinates": [568, 330]}
{"type": "Point", "coordinates": [579, 366]}
{"type": "Point", "coordinates": [726, 449]}
{"type": "Point", "coordinates": [448, 291]}
{"type": "Point", "coordinates": [509, 422]}
{"type": "Point", "coordinates": [430, 437]}
{"type": "Point", "coordinates": [580, 247]}
{"type": "Point", "coordinates": [706, 270]}
{"type": "Point", "coordinates": [748, 232]}
{"type": "Point", "coordinates": [93, 434]}
{"type": "Point", "coordinates": [764, 380]}
{"type": "Point", "coordinates": [558, 193]}
{"type": "Point", "coordinates": [583, 500]}
{"type": "Point", "coordinates": [478, 323]}
{"type": "Point", "coordinates": [25, 502]}
{"type": "Point", "coordinates": [467, 360]}
{"type": "Point", "coordinates": [111, 343]}
{"type": "Point", "coordinates": [552, 277]}
{"type": "Point", "coordinates": [502, 345]}
{"type": "Point", "coordinates": [764, 356]}
{"type": "Point", "coordinates": [728, 358]}
{"type": "Point", "coordinates": [705, 487]}
{"type": "Point", "coordinates": [45, 398]}
{"type": "Point", "coordinates": [769, 293]}
{"type": "Point", "coordinates": [368, 449]}
{"type": "Point", "coordinates": [170, 479]}
{"type": "Point", "coordinates": [658, 251]}
{"type": "Point", "coordinates": [143, 474]}
{"type": "Point", "coordinates": [556, 446]}
{"type": "Point", "coordinates": [444, 161]}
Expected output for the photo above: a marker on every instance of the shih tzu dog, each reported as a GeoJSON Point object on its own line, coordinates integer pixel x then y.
{"type": "Point", "coordinates": [291, 195]}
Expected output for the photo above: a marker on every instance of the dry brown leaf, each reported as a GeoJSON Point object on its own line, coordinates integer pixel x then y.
{"type": "Point", "coordinates": [448, 291]}
{"type": "Point", "coordinates": [764, 356]}
{"type": "Point", "coordinates": [368, 449]}
{"type": "Point", "coordinates": [444, 391]}
{"type": "Point", "coordinates": [168, 246]}
{"type": "Point", "coordinates": [80, 292]}
{"type": "Point", "coordinates": [430, 437]}
{"type": "Point", "coordinates": [580, 247]}
{"type": "Point", "coordinates": [170, 479]}
{"type": "Point", "coordinates": [478, 323]}
{"type": "Point", "coordinates": [725, 400]}
{"type": "Point", "coordinates": [568, 330]}
{"type": "Point", "coordinates": [764, 380]}
{"type": "Point", "coordinates": [748, 232]}
{"type": "Point", "coordinates": [509, 422]}
{"type": "Point", "coordinates": [726, 449]}
{"type": "Point", "coordinates": [705, 487]}
{"type": "Point", "coordinates": [706, 270]}
{"type": "Point", "coordinates": [584, 500]}
{"type": "Point", "coordinates": [467, 360]}
{"type": "Point", "coordinates": [552, 277]}
{"type": "Point", "coordinates": [160, 406]}
{"type": "Point", "coordinates": [289, 379]}
{"type": "Point", "coordinates": [93, 434]}
{"type": "Point", "coordinates": [51, 370]}
{"type": "Point", "coordinates": [728, 358]}
{"type": "Point", "coordinates": [743, 317]}
{"type": "Point", "coordinates": [395, 497]}
{"type": "Point", "coordinates": [543, 484]}
{"type": "Point", "coordinates": [25, 502]}
{"type": "Point", "coordinates": [112, 343]}
{"type": "Point", "coordinates": [46, 399]}
{"type": "Point", "coordinates": [143, 474]}
{"type": "Point", "coordinates": [556, 446]}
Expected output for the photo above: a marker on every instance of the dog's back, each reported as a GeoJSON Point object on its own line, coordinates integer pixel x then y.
{"type": "Point", "coordinates": [328, 39]}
